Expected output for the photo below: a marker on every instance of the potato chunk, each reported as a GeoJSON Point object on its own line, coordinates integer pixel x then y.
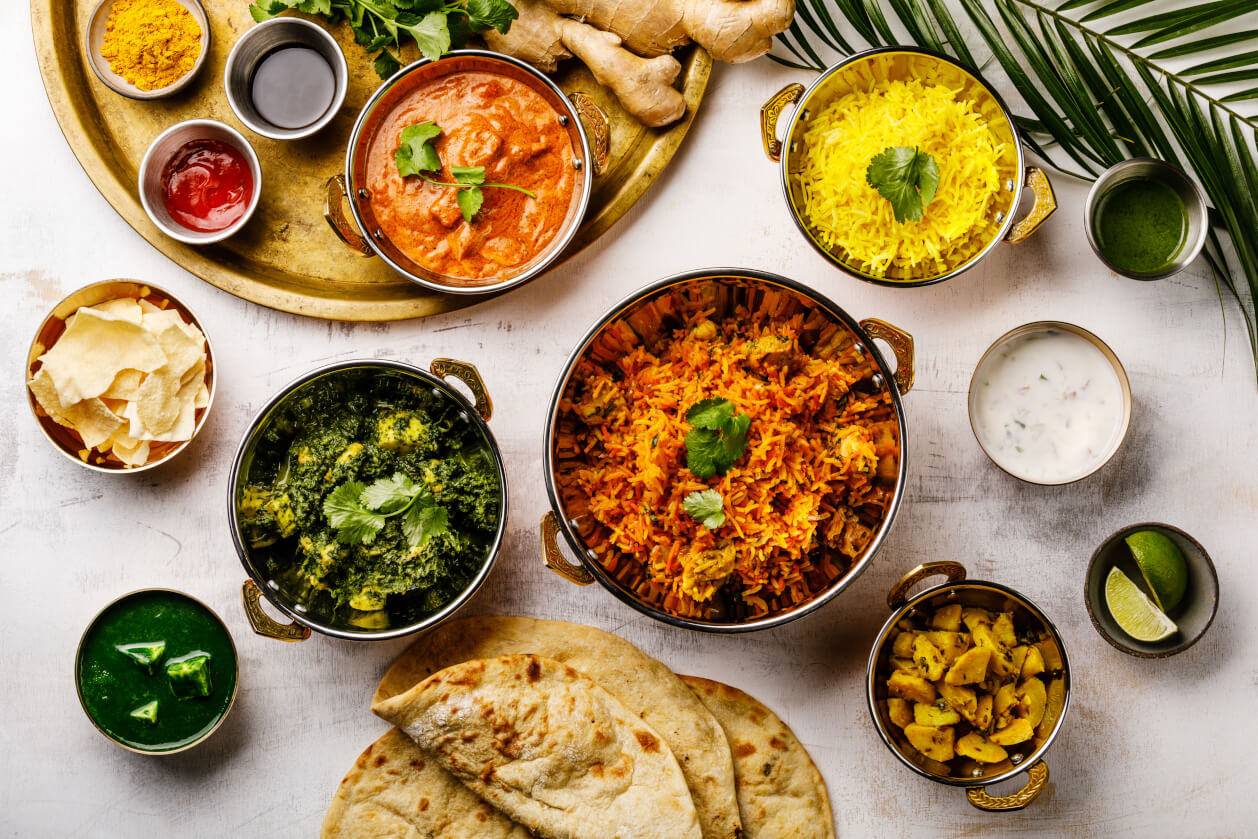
{"type": "Point", "coordinates": [983, 716]}
{"type": "Point", "coordinates": [1032, 700]}
{"type": "Point", "coordinates": [1033, 665]}
{"type": "Point", "coordinates": [902, 646]}
{"type": "Point", "coordinates": [971, 667]}
{"type": "Point", "coordinates": [950, 644]}
{"type": "Point", "coordinates": [1002, 628]}
{"type": "Point", "coordinates": [929, 660]}
{"type": "Point", "coordinates": [899, 711]}
{"type": "Point", "coordinates": [1006, 700]}
{"type": "Point", "coordinates": [976, 617]}
{"type": "Point", "coordinates": [947, 618]}
{"type": "Point", "coordinates": [962, 699]}
{"type": "Point", "coordinates": [912, 688]}
{"type": "Point", "coordinates": [1052, 655]}
{"type": "Point", "coordinates": [975, 745]}
{"type": "Point", "coordinates": [935, 715]}
{"type": "Point", "coordinates": [935, 743]}
{"type": "Point", "coordinates": [1018, 731]}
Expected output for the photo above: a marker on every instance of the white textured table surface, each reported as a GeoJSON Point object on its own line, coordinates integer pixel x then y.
{"type": "Point", "coordinates": [1149, 748]}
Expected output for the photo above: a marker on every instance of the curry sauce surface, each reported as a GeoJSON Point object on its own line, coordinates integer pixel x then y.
{"type": "Point", "coordinates": [486, 120]}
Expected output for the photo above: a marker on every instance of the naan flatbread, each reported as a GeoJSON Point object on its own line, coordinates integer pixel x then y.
{"type": "Point", "coordinates": [781, 795]}
{"type": "Point", "coordinates": [643, 685]}
{"type": "Point", "coordinates": [549, 748]}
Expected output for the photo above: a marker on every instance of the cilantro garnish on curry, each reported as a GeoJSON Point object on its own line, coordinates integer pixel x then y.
{"type": "Point", "coordinates": [370, 493]}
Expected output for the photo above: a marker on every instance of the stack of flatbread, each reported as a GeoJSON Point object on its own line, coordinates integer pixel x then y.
{"type": "Point", "coordinates": [511, 728]}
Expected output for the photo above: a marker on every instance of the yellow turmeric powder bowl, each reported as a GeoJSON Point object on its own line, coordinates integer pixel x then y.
{"type": "Point", "coordinates": [147, 49]}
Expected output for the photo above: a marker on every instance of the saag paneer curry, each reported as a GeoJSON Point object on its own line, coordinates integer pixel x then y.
{"type": "Point", "coordinates": [371, 499]}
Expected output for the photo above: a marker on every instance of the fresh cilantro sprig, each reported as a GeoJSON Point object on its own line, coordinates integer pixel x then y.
{"type": "Point", "coordinates": [435, 26]}
{"type": "Point", "coordinates": [906, 177]}
{"type": "Point", "coordinates": [357, 512]}
{"type": "Point", "coordinates": [416, 155]}
{"type": "Point", "coordinates": [708, 506]}
{"type": "Point", "coordinates": [718, 439]}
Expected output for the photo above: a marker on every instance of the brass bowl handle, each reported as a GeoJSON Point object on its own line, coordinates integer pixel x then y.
{"type": "Point", "coordinates": [901, 344]}
{"type": "Point", "coordinates": [1036, 781]}
{"type": "Point", "coordinates": [1045, 204]}
{"type": "Point", "coordinates": [333, 202]}
{"type": "Point", "coordinates": [468, 375]}
{"type": "Point", "coordinates": [554, 558]}
{"type": "Point", "coordinates": [954, 571]}
{"type": "Point", "coordinates": [769, 114]}
{"type": "Point", "coordinates": [596, 123]}
{"type": "Point", "coordinates": [262, 623]}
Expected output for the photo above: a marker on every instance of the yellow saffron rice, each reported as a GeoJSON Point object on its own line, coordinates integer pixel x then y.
{"type": "Point", "coordinates": [803, 500]}
{"type": "Point", "coordinates": [851, 219]}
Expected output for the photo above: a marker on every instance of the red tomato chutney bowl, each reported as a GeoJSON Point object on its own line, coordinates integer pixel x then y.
{"type": "Point", "coordinates": [200, 181]}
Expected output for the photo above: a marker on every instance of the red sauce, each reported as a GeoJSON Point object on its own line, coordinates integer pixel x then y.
{"type": "Point", "coordinates": [486, 120]}
{"type": "Point", "coordinates": [207, 185]}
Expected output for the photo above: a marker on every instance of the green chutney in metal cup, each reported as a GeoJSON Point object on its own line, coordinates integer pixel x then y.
{"type": "Point", "coordinates": [156, 671]}
{"type": "Point", "coordinates": [1141, 225]}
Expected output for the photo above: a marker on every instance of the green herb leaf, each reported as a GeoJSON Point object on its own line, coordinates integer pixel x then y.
{"type": "Point", "coordinates": [712, 451]}
{"type": "Point", "coordinates": [906, 177]}
{"type": "Point", "coordinates": [710, 413]}
{"type": "Point", "coordinates": [388, 495]}
{"type": "Point", "coordinates": [707, 506]}
{"type": "Point", "coordinates": [490, 14]}
{"type": "Point", "coordinates": [354, 524]}
{"type": "Point", "coordinates": [385, 64]}
{"type": "Point", "coordinates": [420, 524]}
{"type": "Point", "coordinates": [416, 154]}
{"type": "Point", "coordinates": [431, 34]}
{"type": "Point", "coordinates": [474, 175]}
{"type": "Point", "coordinates": [470, 201]}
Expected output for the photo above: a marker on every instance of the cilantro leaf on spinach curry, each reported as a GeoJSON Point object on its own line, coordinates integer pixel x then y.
{"type": "Point", "coordinates": [370, 493]}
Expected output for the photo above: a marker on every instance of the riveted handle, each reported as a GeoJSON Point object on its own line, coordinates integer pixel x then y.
{"type": "Point", "coordinates": [954, 571]}
{"type": "Point", "coordinates": [596, 124]}
{"type": "Point", "coordinates": [333, 211]}
{"type": "Point", "coordinates": [468, 375]}
{"type": "Point", "coordinates": [264, 624]}
{"type": "Point", "coordinates": [554, 557]}
{"type": "Point", "coordinates": [901, 344]}
{"type": "Point", "coordinates": [1037, 779]}
{"type": "Point", "coordinates": [1045, 204]}
{"type": "Point", "coordinates": [769, 114]}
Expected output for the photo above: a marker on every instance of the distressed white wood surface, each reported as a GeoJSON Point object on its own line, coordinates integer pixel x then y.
{"type": "Point", "coordinates": [1149, 748]}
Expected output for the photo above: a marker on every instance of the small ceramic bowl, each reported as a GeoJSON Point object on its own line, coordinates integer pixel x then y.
{"type": "Point", "coordinates": [66, 440]}
{"type": "Point", "coordinates": [261, 41]}
{"type": "Point", "coordinates": [1147, 168]}
{"type": "Point", "coordinates": [96, 34]}
{"type": "Point", "coordinates": [1193, 615]}
{"type": "Point", "coordinates": [160, 152]}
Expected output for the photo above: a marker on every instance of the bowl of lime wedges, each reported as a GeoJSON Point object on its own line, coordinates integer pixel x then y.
{"type": "Point", "coordinates": [1151, 590]}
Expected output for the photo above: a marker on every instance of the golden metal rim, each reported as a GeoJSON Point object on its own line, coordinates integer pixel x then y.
{"type": "Point", "coordinates": [211, 384]}
{"type": "Point", "coordinates": [231, 703]}
{"type": "Point", "coordinates": [58, 47]}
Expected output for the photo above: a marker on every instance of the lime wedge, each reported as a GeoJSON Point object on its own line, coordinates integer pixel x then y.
{"type": "Point", "coordinates": [1162, 565]}
{"type": "Point", "coordinates": [1132, 609]}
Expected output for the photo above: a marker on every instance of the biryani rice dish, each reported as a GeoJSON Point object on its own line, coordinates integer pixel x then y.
{"type": "Point", "coordinates": [803, 501]}
{"type": "Point", "coordinates": [848, 216]}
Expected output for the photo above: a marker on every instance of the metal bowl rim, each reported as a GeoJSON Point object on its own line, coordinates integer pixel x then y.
{"type": "Point", "coordinates": [557, 245]}
{"type": "Point", "coordinates": [816, 85]}
{"type": "Point", "coordinates": [78, 687]}
{"type": "Point", "coordinates": [306, 620]}
{"type": "Point", "coordinates": [573, 540]}
{"type": "Point", "coordinates": [1124, 384]}
{"type": "Point", "coordinates": [881, 640]}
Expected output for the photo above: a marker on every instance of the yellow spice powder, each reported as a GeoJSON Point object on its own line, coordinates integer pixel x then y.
{"type": "Point", "coordinates": [151, 43]}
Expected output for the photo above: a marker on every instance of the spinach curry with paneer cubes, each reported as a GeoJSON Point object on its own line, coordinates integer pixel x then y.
{"type": "Point", "coordinates": [371, 499]}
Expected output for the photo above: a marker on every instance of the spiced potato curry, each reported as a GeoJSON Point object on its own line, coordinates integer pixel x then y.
{"type": "Point", "coordinates": [486, 120]}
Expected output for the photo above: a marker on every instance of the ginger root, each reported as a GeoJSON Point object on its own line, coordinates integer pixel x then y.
{"type": "Point", "coordinates": [644, 86]}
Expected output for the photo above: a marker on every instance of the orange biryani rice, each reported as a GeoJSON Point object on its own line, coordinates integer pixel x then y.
{"type": "Point", "coordinates": [801, 503]}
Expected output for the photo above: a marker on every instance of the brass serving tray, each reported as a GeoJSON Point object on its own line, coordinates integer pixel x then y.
{"type": "Point", "coordinates": [287, 257]}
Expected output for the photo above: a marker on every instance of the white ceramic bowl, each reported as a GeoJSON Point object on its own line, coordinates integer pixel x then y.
{"type": "Point", "coordinates": [96, 33]}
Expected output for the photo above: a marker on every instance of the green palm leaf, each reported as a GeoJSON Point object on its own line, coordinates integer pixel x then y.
{"type": "Point", "coordinates": [1098, 95]}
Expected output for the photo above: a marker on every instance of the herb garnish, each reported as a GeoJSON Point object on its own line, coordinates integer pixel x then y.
{"type": "Point", "coordinates": [434, 25]}
{"type": "Point", "coordinates": [358, 512]}
{"type": "Point", "coordinates": [708, 506]}
{"type": "Point", "coordinates": [416, 155]}
{"type": "Point", "coordinates": [907, 178]}
{"type": "Point", "coordinates": [719, 437]}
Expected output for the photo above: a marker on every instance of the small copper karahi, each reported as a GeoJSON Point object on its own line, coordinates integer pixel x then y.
{"type": "Point", "coordinates": [1027, 616]}
{"type": "Point", "coordinates": [66, 440]}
